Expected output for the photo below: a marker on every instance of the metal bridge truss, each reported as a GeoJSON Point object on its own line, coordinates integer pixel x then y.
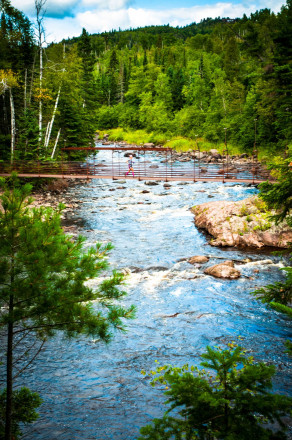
{"type": "Point", "coordinates": [167, 170]}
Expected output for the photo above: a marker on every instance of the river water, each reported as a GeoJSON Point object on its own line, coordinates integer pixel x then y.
{"type": "Point", "coordinates": [93, 391]}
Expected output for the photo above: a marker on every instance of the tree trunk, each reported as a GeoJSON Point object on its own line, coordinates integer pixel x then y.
{"type": "Point", "coordinates": [47, 133]}
{"type": "Point", "coordinates": [9, 362]}
{"type": "Point", "coordinates": [56, 143]}
{"type": "Point", "coordinates": [8, 422]}
{"type": "Point", "coordinates": [47, 140]}
{"type": "Point", "coordinates": [12, 125]}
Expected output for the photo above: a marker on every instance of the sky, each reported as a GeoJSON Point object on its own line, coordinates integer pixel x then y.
{"type": "Point", "coordinates": [67, 18]}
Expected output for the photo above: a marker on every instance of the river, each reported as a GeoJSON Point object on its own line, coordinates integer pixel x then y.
{"type": "Point", "coordinates": [93, 391]}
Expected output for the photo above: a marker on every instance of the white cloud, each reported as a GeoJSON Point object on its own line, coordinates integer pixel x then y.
{"type": "Point", "coordinates": [66, 18]}
{"type": "Point", "coordinates": [52, 8]}
{"type": "Point", "coordinates": [57, 30]}
{"type": "Point", "coordinates": [112, 5]}
{"type": "Point", "coordinates": [68, 8]}
{"type": "Point", "coordinates": [104, 20]}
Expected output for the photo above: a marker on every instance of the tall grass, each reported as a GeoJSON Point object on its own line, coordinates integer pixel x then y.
{"type": "Point", "coordinates": [178, 143]}
{"type": "Point", "coordinates": [181, 144]}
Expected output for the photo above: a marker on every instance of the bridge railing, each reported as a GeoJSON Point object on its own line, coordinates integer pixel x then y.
{"type": "Point", "coordinates": [169, 170]}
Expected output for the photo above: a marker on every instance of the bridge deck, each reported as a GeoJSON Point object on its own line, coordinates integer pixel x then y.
{"type": "Point", "coordinates": [122, 177]}
{"type": "Point", "coordinates": [112, 167]}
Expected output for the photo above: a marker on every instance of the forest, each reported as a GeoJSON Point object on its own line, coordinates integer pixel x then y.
{"type": "Point", "coordinates": [196, 82]}
{"type": "Point", "coordinates": [202, 83]}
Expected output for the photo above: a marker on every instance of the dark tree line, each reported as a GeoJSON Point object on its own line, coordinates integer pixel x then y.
{"type": "Point", "coordinates": [190, 81]}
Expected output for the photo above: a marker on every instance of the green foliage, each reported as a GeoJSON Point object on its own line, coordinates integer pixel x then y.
{"type": "Point", "coordinates": [262, 226]}
{"type": "Point", "coordinates": [243, 210]}
{"type": "Point", "coordinates": [279, 292]}
{"type": "Point", "coordinates": [278, 196]}
{"type": "Point", "coordinates": [289, 347]}
{"type": "Point", "coordinates": [44, 277]}
{"type": "Point", "coordinates": [260, 204]}
{"type": "Point", "coordinates": [172, 82]}
{"type": "Point", "coordinates": [136, 137]}
{"type": "Point", "coordinates": [53, 294]}
{"type": "Point", "coordinates": [181, 144]}
{"type": "Point", "coordinates": [25, 403]}
{"type": "Point", "coordinates": [228, 399]}
{"type": "Point", "coordinates": [281, 308]}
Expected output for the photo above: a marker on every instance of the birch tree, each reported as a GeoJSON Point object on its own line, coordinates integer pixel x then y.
{"type": "Point", "coordinates": [7, 82]}
{"type": "Point", "coordinates": [40, 12]}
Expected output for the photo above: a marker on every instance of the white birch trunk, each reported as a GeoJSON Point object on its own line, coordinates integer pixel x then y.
{"type": "Point", "coordinates": [48, 136]}
{"type": "Point", "coordinates": [47, 133]}
{"type": "Point", "coordinates": [56, 143]}
{"type": "Point", "coordinates": [12, 111]}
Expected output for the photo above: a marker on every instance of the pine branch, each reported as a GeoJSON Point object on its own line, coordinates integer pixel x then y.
{"type": "Point", "coordinates": [30, 362]}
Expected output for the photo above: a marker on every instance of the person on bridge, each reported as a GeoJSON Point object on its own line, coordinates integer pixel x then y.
{"type": "Point", "coordinates": [130, 165]}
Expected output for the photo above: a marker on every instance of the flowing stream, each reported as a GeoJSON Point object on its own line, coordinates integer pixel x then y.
{"type": "Point", "coordinates": [93, 391]}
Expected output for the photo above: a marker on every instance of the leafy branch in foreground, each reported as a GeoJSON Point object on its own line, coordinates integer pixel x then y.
{"type": "Point", "coordinates": [279, 292]}
{"type": "Point", "coordinates": [278, 195]}
{"type": "Point", "coordinates": [229, 399]}
{"type": "Point", "coordinates": [44, 276]}
{"type": "Point", "coordinates": [24, 409]}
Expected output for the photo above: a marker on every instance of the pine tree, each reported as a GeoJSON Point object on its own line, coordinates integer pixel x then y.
{"type": "Point", "coordinates": [42, 286]}
{"type": "Point", "coordinates": [229, 400]}
{"type": "Point", "coordinates": [278, 197]}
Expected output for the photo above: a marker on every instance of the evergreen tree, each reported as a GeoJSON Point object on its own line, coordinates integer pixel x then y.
{"type": "Point", "coordinates": [278, 197]}
{"type": "Point", "coordinates": [25, 404]}
{"type": "Point", "coordinates": [231, 400]}
{"type": "Point", "coordinates": [42, 286]}
{"type": "Point", "coordinates": [88, 87]}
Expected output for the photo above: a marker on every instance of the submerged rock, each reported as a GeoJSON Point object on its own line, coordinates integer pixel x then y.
{"type": "Point", "coordinates": [198, 259]}
{"type": "Point", "coordinates": [245, 223]}
{"type": "Point", "coordinates": [223, 270]}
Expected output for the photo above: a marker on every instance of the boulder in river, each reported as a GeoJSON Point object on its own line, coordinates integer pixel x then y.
{"type": "Point", "coordinates": [151, 183]}
{"type": "Point", "coordinates": [244, 223]}
{"type": "Point", "coordinates": [223, 270]}
{"type": "Point", "coordinates": [198, 259]}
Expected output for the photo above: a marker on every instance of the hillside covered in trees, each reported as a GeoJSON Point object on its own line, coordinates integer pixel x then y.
{"type": "Point", "coordinates": [192, 81]}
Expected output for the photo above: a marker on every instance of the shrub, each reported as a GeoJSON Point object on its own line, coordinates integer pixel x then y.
{"type": "Point", "coordinates": [229, 400]}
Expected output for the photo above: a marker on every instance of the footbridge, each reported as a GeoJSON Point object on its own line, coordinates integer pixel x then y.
{"type": "Point", "coordinates": [158, 164]}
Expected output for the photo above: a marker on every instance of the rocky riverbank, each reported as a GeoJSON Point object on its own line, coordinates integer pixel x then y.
{"type": "Point", "coordinates": [245, 223]}
{"type": "Point", "coordinates": [55, 192]}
